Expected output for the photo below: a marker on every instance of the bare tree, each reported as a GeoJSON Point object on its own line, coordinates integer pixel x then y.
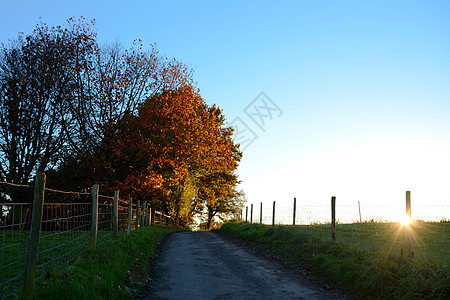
{"type": "Point", "coordinates": [37, 83]}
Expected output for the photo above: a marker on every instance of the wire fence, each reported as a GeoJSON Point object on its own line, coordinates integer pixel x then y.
{"type": "Point", "coordinates": [13, 247]}
{"type": "Point", "coordinates": [389, 230]}
{"type": "Point", "coordinates": [65, 230]}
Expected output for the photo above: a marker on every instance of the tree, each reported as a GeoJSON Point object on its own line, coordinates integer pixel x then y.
{"type": "Point", "coordinates": [168, 145]}
{"type": "Point", "coordinates": [165, 152]}
{"type": "Point", "coordinates": [115, 88]}
{"type": "Point", "coordinates": [217, 193]}
{"type": "Point", "coordinates": [111, 97]}
{"type": "Point", "coordinates": [38, 77]}
{"type": "Point", "coordinates": [126, 119]}
{"type": "Point", "coordinates": [179, 141]}
{"type": "Point", "coordinates": [63, 98]}
{"type": "Point", "coordinates": [219, 198]}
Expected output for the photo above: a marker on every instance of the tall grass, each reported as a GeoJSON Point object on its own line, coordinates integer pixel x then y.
{"type": "Point", "coordinates": [366, 263]}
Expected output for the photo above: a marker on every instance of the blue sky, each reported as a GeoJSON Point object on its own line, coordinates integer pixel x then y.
{"type": "Point", "coordinates": [363, 86]}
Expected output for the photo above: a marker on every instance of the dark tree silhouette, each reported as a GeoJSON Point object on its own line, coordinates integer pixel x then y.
{"type": "Point", "coordinates": [38, 77]}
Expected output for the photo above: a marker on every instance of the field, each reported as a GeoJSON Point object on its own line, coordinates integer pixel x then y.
{"type": "Point", "coordinates": [429, 239]}
{"type": "Point", "coordinates": [368, 259]}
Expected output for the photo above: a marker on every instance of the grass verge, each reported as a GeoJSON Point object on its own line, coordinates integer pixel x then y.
{"type": "Point", "coordinates": [115, 270]}
{"type": "Point", "coordinates": [359, 270]}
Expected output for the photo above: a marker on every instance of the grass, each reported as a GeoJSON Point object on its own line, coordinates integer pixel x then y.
{"type": "Point", "coordinates": [67, 270]}
{"type": "Point", "coordinates": [116, 270]}
{"type": "Point", "coordinates": [57, 249]}
{"type": "Point", "coordinates": [368, 259]}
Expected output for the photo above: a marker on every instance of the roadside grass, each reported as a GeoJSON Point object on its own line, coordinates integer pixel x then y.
{"type": "Point", "coordinates": [368, 259]}
{"type": "Point", "coordinates": [114, 270]}
{"type": "Point", "coordinates": [56, 250]}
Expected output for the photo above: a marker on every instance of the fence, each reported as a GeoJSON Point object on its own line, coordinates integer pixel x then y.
{"type": "Point", "coordinates": [38, 239]}
{"type": "Point", "coordinates": [389, 230]}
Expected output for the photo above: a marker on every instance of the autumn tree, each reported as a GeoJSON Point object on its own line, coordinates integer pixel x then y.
{"type": "Point", "coordinates": [219, 198]}
{"type": "Point", "coordinates": [169, 145]}
{"type": "Point", "coordinates": [217, 195]}
{"type": "Point", "coordinates": [165, 151]}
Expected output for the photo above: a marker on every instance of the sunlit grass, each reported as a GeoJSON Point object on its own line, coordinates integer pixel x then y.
{"type": "Point", "coordinates": [371, 259]}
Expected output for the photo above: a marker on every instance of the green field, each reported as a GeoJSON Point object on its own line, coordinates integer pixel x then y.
{"type": "Point", "coordinates": [430, 241]}
{"type": "Point", "coordinates": [368, 259]}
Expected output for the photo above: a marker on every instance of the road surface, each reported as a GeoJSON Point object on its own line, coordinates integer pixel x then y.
{"type": "Point", "coordinates": [206, 265]}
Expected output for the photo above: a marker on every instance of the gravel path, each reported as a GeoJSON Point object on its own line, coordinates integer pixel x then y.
{"type": "Point", "coordinates": [205, 265]}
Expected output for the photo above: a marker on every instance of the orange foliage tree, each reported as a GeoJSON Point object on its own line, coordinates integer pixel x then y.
{"type": "Point", "coordinates": [175, 142]}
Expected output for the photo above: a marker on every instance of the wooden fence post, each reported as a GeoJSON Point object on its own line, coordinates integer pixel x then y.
{"type": "Point", "coordinates": [33, 246]}
{"type": "Point", "coordinates": [144, 210]}
{"type": "Point", "coordinates": [246, 214]}
{"type": "Point", "coordinates": [94, 219]}
{"type": "Point", "coordinates": [260, 214]}
{"type": "Point", "coordinates": [408, 228]}
{"type": "Point", "coordinates": [293, 218]}
{"type": "Point", "coordinates": [251, 213]}
{"type": "Point", "coordinates": [359, 209]}
{"type": "Point", "coordinates": [153, 216]}
{"type": "Point", "coordinates": [333, 218]}
{"type": "Point", "coordinates": [137, 214]}
{"type": "Point", "coordinates": [150, 215]}
{"type": "Point", "coordinates": [116, 213]}
{"type": "Point", "coordinates": [130, 214]}
{"type": "Point", "coordinates": [273, 214]}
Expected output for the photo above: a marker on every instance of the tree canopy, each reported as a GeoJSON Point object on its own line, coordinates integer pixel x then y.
{"type": "Point", "coordinates": [125, 119]}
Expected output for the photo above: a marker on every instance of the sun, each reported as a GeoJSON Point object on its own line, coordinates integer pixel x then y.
{"type": "Point", "coordinates": [405, 221]}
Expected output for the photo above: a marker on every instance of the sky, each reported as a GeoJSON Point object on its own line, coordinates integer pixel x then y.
{"type": "Point", "coordinates": [329, 98]}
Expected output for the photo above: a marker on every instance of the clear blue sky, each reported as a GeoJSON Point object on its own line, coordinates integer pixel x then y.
{"type": "Point", "coordinates": [364, 86]}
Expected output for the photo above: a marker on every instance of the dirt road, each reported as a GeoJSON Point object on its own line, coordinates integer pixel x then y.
{"type": "Point", "coordinates": [205, 265]}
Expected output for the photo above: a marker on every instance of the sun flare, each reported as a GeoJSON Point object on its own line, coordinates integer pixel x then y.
{"type": "Point", "coordinates": [405, 221]}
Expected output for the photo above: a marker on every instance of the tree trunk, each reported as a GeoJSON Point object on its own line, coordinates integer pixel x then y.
{"type": "Point", "coordinates": [211, 215]}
